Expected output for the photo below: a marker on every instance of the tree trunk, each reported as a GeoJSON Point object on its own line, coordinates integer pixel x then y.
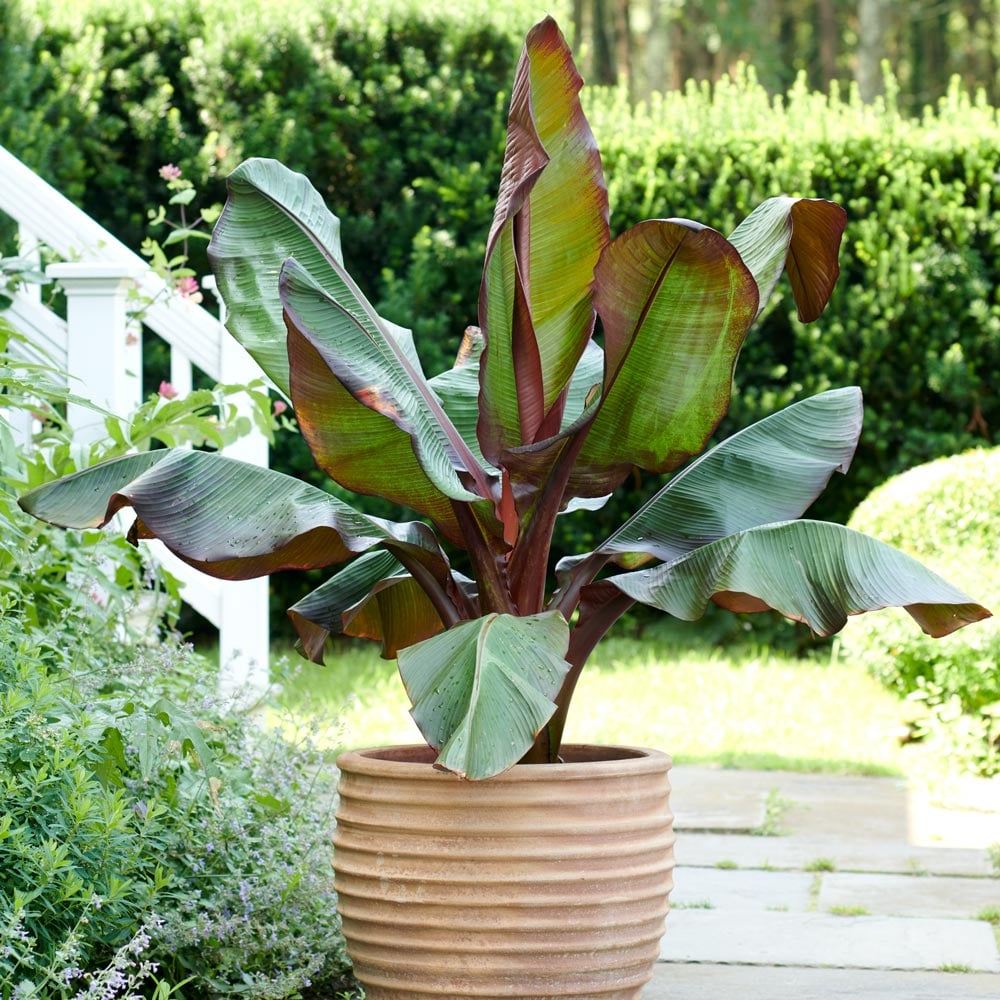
{"type": "Point", "coordinates": [577, 18]}
{"type": "Point", "coordinates": [605, 69]}
{"type": "Point", "coordinates": [828, 42]}
{"type": "Point", "coordinates": [872, 17]}
{"type": "Point", "coordinates": [657, 48]}
{"type": "Point", "coordinates": [623, 30]}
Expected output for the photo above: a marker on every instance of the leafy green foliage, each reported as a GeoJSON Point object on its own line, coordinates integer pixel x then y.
{"type": "Point", "coordinates": [136, 804]}
{"type": "Point", "coordinates": [244, 835]}
{"type": "Point", "coordinates": [77, 865]}
{"type": "Point", "coordinates": [137, 810]}
{"type": "Point", "coordinates": [946, 513]}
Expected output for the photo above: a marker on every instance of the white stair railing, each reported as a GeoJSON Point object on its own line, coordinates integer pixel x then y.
{"type": "Point", "coordinates": [96, 346]}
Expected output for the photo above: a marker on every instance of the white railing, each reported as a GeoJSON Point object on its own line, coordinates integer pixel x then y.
{"type": "Point", "coordinates": [96, 346]}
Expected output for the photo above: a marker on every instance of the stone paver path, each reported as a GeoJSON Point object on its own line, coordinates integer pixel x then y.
{"type": "Point", "coordinates": [793, 887]}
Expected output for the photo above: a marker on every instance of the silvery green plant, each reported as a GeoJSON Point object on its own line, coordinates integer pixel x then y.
{"type": "Point", "coordinates": [592, 356]}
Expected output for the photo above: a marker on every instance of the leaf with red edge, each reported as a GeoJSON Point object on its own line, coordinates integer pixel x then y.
{"type": "Point", "coordinates": [801, 236]}
{"type": "Point", "coordinates": [371, 598]}
{"type": "Point", "coordinates": [360, 354]}
{"type": "Point", "coordinates": [810, 571]}
{"type": "Point", "coordinates": [550, 225]}
{"type": "Point", "coordinates": [770, 471]}
{"type": "Point", "coordinates": [675, 301]}
{"type": "Point", "coordinates": [229, 519]}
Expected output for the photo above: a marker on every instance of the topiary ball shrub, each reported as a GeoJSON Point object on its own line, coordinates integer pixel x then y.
{"type": "Point", "coordinates": [947, 514]}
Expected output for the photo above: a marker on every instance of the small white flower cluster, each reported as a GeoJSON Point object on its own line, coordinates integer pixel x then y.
{"type": "Point", "coordinates": [122, 977]}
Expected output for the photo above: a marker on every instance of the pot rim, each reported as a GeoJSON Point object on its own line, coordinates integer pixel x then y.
{"type": "Point", "coordinates": [587, 761]}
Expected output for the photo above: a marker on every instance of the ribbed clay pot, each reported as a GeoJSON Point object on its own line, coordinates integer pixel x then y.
{"type": "Point", "coordinates": [550, 880]}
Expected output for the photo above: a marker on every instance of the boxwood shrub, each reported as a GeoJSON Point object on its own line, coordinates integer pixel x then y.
{"type": "Point", "coordinates": [946, 513]}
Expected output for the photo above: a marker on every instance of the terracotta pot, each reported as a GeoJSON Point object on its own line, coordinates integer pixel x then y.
{"type": "Point", "coordinates": [550, 880]}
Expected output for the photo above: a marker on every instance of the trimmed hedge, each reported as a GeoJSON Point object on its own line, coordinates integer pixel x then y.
{"type": "Point", "coordinates": [398, 118]}
{"type": "Point", "coordinates": [947, 514]}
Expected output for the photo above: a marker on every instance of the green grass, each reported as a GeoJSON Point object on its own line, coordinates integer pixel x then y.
{"type": "Point", "coordinates": [748, 708]}
{"type": "Point", "coordinates": [821, 865]}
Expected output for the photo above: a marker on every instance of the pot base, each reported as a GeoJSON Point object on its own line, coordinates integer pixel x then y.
{"type": "Point", "coordinates": [548, 881]}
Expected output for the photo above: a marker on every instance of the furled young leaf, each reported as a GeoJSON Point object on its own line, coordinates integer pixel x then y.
{"type": "Point", "coordinates": [770, 471]}
{"type": "Point", "coordinates": [272, 213]}
{"type": "Point", "coordinates": [482, 690]}
{"type": "Point", "coordinates": [800, 235]}
{"type": "Point", "coordinates": [227, 518]}
{"type": "Point", "coordinates": [811, 571]}
{"type": "Point", "coordinates": [676, 301]}
{"type": "Point", "coordinates": [549, 227]}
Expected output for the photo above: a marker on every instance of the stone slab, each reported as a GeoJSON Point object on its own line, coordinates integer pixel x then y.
{"type": "Point", "coordinates": [909, 896]}
{"type": "Point", "coordinates": [676, 981]}
{"type": "Point", "coordinates": [964, 813]}
{"type": "Point", "coordinates": [716, 800]}
{"type": "Point", "coordinates": [797, 852]}
{"type": "Point", "coordinates": [819, 939]}
{"type": "Point", "coordinates": [716, 889]}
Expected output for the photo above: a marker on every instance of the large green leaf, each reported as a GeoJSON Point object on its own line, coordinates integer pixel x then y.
{"type": "Point", "coordinates": [372, 597]}
{"type": "Point", "coordinates": [811, 571]}
{"type": "Point", "coordinates": [271, 214]}
{"type": "Point", "coordinates": [676, 301]}
{"type": "Point", "coordinates": [771, 471]}
{"type": "Point", "coordinates": [800, 235]}
{"type": "Point", "coordinates": [549, 227]}
{"type": "Point", "coordinates": [363, 413]}
{"type": "Point", "coordinates": [230, 519]}
{"type": "Point", "coordinates": [483, 690]}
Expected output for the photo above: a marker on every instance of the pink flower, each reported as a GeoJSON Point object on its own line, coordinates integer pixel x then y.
{"type": "Point", "coordinates": [188, 288]}
{"type": "Point", "coordinates": [167, 391]}
{"type": "Point", "coordinates": [169, 172]}
{"type": "Point", "coordinates": [279, 407]}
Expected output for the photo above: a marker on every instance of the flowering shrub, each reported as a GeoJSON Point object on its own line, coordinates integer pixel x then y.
{"type": "Point", "coordinates": [250, 908]}
{"type": "Point", "coordinates": [145, 829]}
{"type": "Point", "coordinates": [76, 869]}
{"type": "Point", "coordinates": [175, 270]}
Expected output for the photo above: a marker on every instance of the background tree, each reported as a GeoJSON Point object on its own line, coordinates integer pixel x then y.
{"type": "Point", "coordinates": [657, 45]}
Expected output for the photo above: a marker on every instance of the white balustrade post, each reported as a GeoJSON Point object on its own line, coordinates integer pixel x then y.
{"type": "Point", "coordinates": [244, 629]}
{"type": "Point", "coordinates": [104, 360]}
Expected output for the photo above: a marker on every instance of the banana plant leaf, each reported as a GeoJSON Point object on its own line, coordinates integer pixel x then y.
{"type": "Point", "coordinates": [771, 471]}
{"type": "Point", "coordinates": [535, 305]}
{"type": "Point", "coordinates": [320, 613]}
{"type": "Point", "coordinates": [676, 301]}
{"type": "Point", "coordinates": [482, 690]}
{"type": "Point", "coordinates": [810, 571]}
{"type": "Point", "coordinates": [271, 214]}
{"type": "Point", "coordinates": [798, 235]}
{"type": "Point", "coordinates": [229, 519]}
{"type": "Point", "coordinates": [363, 407]}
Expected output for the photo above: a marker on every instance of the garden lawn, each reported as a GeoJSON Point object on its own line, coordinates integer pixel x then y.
{"type": "Point", "coordinates": [735, 707]}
